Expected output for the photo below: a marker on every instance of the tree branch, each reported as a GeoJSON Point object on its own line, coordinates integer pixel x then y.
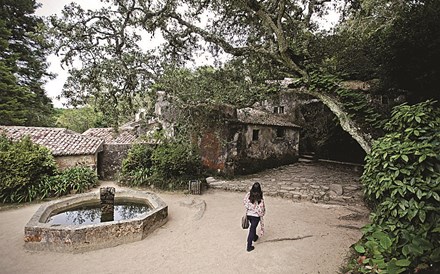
{"type": "Point", "coordinates": [350, 126]}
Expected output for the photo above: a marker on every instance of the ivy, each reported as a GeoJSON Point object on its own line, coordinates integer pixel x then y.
{"type": "Point", "coordinates": [353, 101]}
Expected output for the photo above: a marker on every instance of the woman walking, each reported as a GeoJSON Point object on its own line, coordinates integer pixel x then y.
{"type": "Point", "coordinates": [255, 210]}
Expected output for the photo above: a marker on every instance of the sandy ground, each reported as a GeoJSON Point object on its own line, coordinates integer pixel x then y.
{"type": "Point", "coordinates": [204, 241]}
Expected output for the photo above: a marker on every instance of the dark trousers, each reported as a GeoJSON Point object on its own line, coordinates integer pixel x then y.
{"type": "Point", "coordinates": [252, 230]}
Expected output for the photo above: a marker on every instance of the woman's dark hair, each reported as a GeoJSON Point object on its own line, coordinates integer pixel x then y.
{"type": "Point", "coordinates": [256, 194]}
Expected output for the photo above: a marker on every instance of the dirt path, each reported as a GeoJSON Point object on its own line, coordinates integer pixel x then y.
{"type": "Point", "coordinates": [209, 241]}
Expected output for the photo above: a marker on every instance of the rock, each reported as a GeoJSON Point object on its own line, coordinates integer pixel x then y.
{"type": "Point", "coordinates": [287, 188]}
{"type": "Point", "coordinates": [337, 189]}
{"type": "Point", "coordinates": [210, 180]}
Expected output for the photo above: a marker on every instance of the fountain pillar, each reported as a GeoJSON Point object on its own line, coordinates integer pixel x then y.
{"type": "Point", "coordinates": [107, 195]}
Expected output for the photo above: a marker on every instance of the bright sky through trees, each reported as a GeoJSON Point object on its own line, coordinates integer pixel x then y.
{"type": "Point", "coordinates": [49, 7]}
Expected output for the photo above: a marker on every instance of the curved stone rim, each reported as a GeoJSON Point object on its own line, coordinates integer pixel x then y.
{"type": "Point", "coordinates": [40, 235]}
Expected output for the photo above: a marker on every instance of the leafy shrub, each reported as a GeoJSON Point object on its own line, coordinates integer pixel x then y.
{"type": "Point", "coordinates": [168, 166]}
{"type": "Point", "coordinates": [175, 159]}
{"type": "Point", "coordinates": [23, 166]}
{"type": "Point", "coordinates": [72, 180]}
{"type": "Point", "coordinates": [402, 184]}
{"type": "Point", "coordinates": [137, 166]}
{"type": "Point", "coordinates": [138, 157]}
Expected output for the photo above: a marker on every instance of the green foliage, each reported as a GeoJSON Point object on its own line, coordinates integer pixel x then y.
{"type": "Point", "coordinates": [71, 180]}
{"type": "Point", "coordinates": [354, 102]}
{"type": "Point", "coordinates": [391, 41]}
{"type": "Point", "coordinates": [80, 119]}
{"type": "Point", "coordinates": [114, 71]}
{"type": "Point", "coordinates": [234, 84]}
{"type": "Point", "coordinates": [175, 159]}
{"type": "Point", "coordinates": [402, 183]}
{"type": "Point", "coordinates": [23, 51]}
{"type": "Point", "coordinates": [28, 172]}
{"type": "Point", "coordinates": [137, 166]}
{"type": "Point", "coordinates": [23, 166]}
{"type": "Point", "coordinates": [167, 166]}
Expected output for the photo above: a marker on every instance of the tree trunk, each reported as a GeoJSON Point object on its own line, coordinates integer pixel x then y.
{"type": "Point", "coordinates": [347, 124]}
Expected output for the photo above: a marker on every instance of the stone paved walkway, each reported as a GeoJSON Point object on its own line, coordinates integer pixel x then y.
{"type": "Point", "coordinates": [316, 181]}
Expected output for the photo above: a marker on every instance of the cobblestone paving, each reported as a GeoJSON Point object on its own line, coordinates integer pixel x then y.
{"type": "Point", "coordinates": [315, 181]}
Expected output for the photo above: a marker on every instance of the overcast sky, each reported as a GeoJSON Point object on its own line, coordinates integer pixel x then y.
{"type": "Point", "coordinates": [53, 88]}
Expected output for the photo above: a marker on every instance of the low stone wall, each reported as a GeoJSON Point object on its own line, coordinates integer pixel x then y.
{"type": "Point", "coordinates": [318, 183]}
{"type": "Point", "coordinates": [300, 191]}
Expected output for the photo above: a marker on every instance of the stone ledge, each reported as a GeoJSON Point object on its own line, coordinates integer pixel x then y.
{"type": "Point", "coordinates": [333, 193]}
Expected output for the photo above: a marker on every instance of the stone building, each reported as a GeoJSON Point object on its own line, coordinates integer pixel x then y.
{"type": "Point", "coordinates": [248, 140]}
{"type": "Point", "coordinates": [236, 141]}
{"type": "Point", "coordinates": [69, 148]}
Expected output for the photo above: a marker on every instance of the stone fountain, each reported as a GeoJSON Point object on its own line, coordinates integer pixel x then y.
{"type": "Point", "coordinates": [42, 233]}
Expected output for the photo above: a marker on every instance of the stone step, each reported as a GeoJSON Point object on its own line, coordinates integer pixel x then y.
{"type": "Point", "coordinates": [307, 156]}
{"type": "Point", "coordinates": [305, 160]}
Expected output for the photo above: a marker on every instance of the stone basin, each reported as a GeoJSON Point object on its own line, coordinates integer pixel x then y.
{"type": "Point", "coordinates": [39, 235]}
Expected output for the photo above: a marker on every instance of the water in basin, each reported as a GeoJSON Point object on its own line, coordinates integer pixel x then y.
{"type": "Point", "coordinates": [91, 214]}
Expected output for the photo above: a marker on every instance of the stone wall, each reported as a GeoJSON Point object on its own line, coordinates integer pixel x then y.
{"type": "Point", "coordinates": [68, 161]}
{"type": "Point", "coordinates": [269, 150]}
{"type": "Point", "coordinates": [110, 160]}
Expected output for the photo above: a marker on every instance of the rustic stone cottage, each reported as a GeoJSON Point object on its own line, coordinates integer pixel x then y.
{"type": "Point", "coordinates": [69, 148]}
{"type": "Point", "coordinates": [269, 140]}
{"type": "Point", "coordinates": [236, 141]}
{"type": "Point", "coordinates": [247, 141]}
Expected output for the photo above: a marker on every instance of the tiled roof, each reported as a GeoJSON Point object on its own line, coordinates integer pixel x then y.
{"type": "Point", "coordinates": [109, 136]}
{"type": "Point", "coordinates": [258, 117]}
{"type": "Point", "coordinates": [60, 141]}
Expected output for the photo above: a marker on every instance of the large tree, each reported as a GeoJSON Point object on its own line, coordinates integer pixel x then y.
{"type": "Point", "coordinates": [23, 65]}
{"type": "Point", "coordinates": [275, 36]}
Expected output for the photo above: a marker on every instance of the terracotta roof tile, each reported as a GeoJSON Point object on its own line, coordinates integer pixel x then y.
{"type": "Point", "coordinates": [60, 141]}
{"type": "Point", "coordinates": [110, 137]}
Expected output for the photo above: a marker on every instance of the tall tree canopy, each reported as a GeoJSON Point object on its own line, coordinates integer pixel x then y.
{"type": "Point", "coordinates": [23, 65]}
{"type": "Point", "coordinates": [277, 37]}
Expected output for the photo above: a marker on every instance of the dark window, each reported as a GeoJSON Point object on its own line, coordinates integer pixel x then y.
{"type": "Point", "coordinates": [280, 132]}
{"type": "Point", "coordinates": [255, 134]}
{"type": "Point", "coordinates": [278, 109]}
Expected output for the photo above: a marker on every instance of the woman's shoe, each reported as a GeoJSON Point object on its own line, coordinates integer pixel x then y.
{"type": "Point", "coordinates": [256, 238]}
{"type": "Point", "coordinates": [249, 249]}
